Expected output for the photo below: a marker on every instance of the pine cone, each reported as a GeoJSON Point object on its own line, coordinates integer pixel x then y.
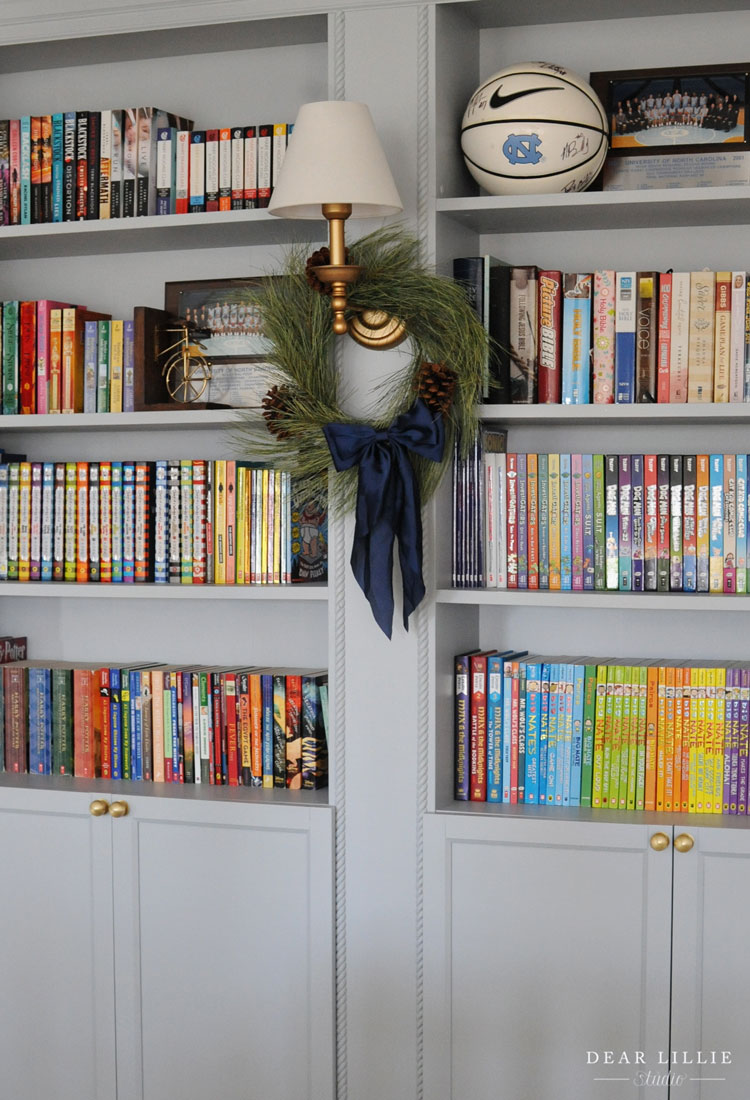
{"type": "Point", "coordinates": [275, 408]}
{"type": "Point", "coordinates": [435, 385]}
{"type": "Point", "coordinates": [320, 258]}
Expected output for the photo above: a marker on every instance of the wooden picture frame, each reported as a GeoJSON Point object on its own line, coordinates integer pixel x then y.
{"type": "Point", "coordinates": [235, 346]}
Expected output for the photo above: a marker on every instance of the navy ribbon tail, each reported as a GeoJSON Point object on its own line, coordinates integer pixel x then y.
{"type": "Point", "coordinates": [388, 505]}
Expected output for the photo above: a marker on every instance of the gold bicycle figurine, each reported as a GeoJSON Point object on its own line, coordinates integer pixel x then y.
{"type": "Point", "coordinates": [186, 371]}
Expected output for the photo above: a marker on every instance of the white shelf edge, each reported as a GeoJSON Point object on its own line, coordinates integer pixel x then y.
{"type": "Point", "coordinates": [72, 590]}
{"type": "Point", "coordinates": [677, 196]}
{"type": "Point", "coordinates": [617, 414]}
{"type": "Point", "coordinates": [489, 811]}
{"type": "Point", "coordinates": [132, 225]}
{"type": "Point", "coordinates": [136, 421]}
{"type": "Point", "coordinates": [620, 601]}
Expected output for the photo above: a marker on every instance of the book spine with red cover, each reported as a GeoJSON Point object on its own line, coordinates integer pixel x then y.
{"type": "Point", "coordinates": [550, 337]}
{"type": "Point", "coordinates": [101, 683]}
{"type": "Point", "coordinates": [294, 731]}
{"type": "Point", "coordinates": [27, 356]}
{"type": "Point", "coordinates": [478, 728]}
{"type": "Point", "coordinates": [16, 731]}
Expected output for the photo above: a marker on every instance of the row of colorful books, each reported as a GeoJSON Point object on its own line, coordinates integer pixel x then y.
{"type": "Point", "coordinates": [62, 358]}
{"type": "Point", "coordinates": [593, 522]}
{"type": "Point", "coordinates": [167, 521]}
{"type": "Point", "coordinates": [228, 168]}
{"type": "Point", "coordinates": [258, 727]}
{"type": "Point", "coordinates": [667, 736]}
{"type": "Point", "coordinates": [132, 161]}
{"type": "Point", "coordinates": [609, 336]}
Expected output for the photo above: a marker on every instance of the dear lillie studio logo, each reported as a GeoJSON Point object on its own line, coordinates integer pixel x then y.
{"type": "Point", "coordinates": [664, 1067]}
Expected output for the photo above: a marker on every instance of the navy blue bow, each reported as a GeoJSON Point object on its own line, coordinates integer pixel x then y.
{"type": "Point", "coordinates": [388, 503]}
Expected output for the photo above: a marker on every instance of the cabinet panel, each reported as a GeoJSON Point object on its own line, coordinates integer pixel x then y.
{"type": "Point", "coordinates": [224, 959]}
{"type": "Point", "coordinates": [544, 942]}
{"type": "Point", "coordinates": [711, 967]}
{"type": "Point", "coordinates": [56, 958]}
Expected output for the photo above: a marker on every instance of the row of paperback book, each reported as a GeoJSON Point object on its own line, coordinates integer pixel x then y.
{"type": "Point", "coordinates": [62, 358]}
{"type": "Point", "coordinates": [132, 161]}
{"type": "Point", "coordinates": [609, 336]}
{"type": "Point", "coordinates": [646, 735]}
{"type": "Point", "coordinates": [257, 727]}
{"type": "Point", "coordinates": [167, 521]}
{"type": "Point", "coordinates": [595, 522]}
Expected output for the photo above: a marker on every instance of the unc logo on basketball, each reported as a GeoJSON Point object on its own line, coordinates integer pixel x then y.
{"type": "Point", "coordinates": [564, 151]}
{"type": "Point", "coordinates": [522, 149]}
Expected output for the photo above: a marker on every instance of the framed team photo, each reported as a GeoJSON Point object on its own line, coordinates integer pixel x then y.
{"type": "Point", "coordinates": [691, 109]}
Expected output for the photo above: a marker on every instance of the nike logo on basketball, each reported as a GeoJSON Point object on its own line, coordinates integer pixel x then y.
{"type": "Point", "coordinates": [498, 100]}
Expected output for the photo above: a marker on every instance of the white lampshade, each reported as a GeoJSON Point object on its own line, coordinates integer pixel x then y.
{"type": "Point", "coordinates": [334, 156]}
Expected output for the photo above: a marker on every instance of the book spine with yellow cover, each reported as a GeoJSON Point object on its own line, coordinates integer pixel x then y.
{"type": "Point", "coordinates": [679, 673]}
{"type": "Point", "coordinates": [687, 675]}
{"type": "Point", "coordinates": [277, 527]}
{"type": "Point", "coordinates": [722, 334]}
{"type": "Point", "coordinates": [652, 737]}
{"type": "Point", "coordinates": [661, 738]}
{"type": "Point", "coordinates": [693, 741]}
{"type": "Point", "coordinates": [614, 728]}
{"type": "Point", "coordinates": [721, 746]}
{"type": "Point", "coordinates": [669, 738]}
{"type": "Point", "coordinates": [24, 521]}
{"type": "Point", "coordinates": [599, 728]}
{"type": "Point", "coordinates": [231, 522]}
{"type": "Point", "coordinates": [641, 722]}
{"type": "Point", "coordinates": [700, 741]}
{"type": "Point", "coordinates": [709, 743]}
{"type": "Point", "coordinates": [632, 768]}
{"type": "Point", "coordinates": [241, 539]}
{"type": "Point", "coordinates": [116, 366]}
{"type": "Point", "coordinates": [627, 695]}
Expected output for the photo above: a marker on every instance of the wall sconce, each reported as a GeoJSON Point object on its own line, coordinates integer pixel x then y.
{"type": "Point", "coordinates": [335, 167]}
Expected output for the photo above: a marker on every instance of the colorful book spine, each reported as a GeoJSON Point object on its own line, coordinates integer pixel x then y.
{"type": "Point", "coordinates": [576, 339]}
{"type": "Point", "coordinates": [550, 337]}
{"type": "Point", "coordinates": [664, 337]}
{"type": "Point", "coordinates": [603, 341]}
{"type": "Point", "coordinates": [637, 523]}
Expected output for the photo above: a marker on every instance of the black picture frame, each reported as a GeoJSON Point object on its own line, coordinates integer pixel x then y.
{"type": "Point", "coordinates": [675, 128]}
{"type": "Point", "coordinates": [227, 309]}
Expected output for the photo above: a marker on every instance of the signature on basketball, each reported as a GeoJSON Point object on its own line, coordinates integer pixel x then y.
{"type": "Point", "coordinates": [573, 148]}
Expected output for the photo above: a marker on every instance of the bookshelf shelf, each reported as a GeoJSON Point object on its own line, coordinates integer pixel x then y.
{"type": "Point", "coordinates": [61, 590]}
{"type": "Point", "coordinates": [177, 420]}
{"type": "Point", "coordinates": [221, 229]}
{"type": "Point", "coordinates": [656, 416]}
{"type": "Point", "coordinates": [597, 210]}
{"type": "Point", "coordinates": [594, 601]}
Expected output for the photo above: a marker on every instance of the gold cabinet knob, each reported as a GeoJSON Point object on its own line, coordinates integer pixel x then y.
{"type": "Point", "coordinates": [118, 809]}
{"type": "Point", "coordinates": [98, 807]}
{"type": "Point", "coordinates": [659, 841]}
{"type": "Point", "coordinates": [684, 842]}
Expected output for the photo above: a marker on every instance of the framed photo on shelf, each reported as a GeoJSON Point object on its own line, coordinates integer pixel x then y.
{"type": "Point", "coordinates": [227, 310]}
{"type": "Point", "coordinates": [683, 126]}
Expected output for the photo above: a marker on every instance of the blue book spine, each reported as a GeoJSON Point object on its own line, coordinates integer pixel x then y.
{"type": "Point", "coordinates": [716, 523]}
{"type": "Point", "coordinates": [48, 516]}
{"type": "Point", "coordinates": [566, 525]}
{"type": "Point", "coordinates": [494, 728]}
{"type": "Point", "coordinates": [689, 529]}
{"type": "Point", "coordinates": [128, 522]}
{"type": "Point", "coordinates": [741, 473]}
{"type": "Point", "coordinates": [625, 498]}
{"type": "Point", "coordinates": [266, 691]}
{"type": "Point", "coordinates": [115, 721]}
{"type": "Point", "coordinates": [57, 167]}
{"type": "Point", "coordinates": [533, 715]}
{"type": "Point", "coordinates": [543, 731]}
{"type": "Point", "coordinates": [576, 339]}
{"type": "Point", "coordinates": [625, 317]}
{"type": "Point", "coordinates": [506, 711]}
{"type": "Point", "coordinates": [40, 721]}
{"type": "Point", "coordinates": [565, 736]}
{"type": "Point", "coordinates": [136, 733]}
{"type": "Point", "coordinates": [554, 675]}
{"type": "Point", "coordinates": [587, 479]}
{"type": "Point", "coordinates": [636, 528]}
{"type": "Point", "coordinates": [26, 170]}
{"type": "Point", "coordinates": [579, 674]}
{"type": "Point", "coordinates": [116, 522]}
{"type": "Point", "coordinates": [161, 523]}
{"type": "Point", "coordinates": [128, 367]}
{"type": "Point", "coordinates": [543, 520]}
{"type": "Point", "coordinates": [522, 523]}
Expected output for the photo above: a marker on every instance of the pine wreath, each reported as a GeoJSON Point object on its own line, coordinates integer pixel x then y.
{"type": "Point", "coordinates": [448, 355]}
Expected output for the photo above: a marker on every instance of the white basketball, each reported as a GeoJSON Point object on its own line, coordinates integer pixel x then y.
{"type": "Point", "coordinates": [534, 128]}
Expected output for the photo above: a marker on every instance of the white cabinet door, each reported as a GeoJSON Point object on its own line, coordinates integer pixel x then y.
{"type": "Point", "coordinates": [547, 944]}
{"type": "Point", "coordinates": [57, 1029]}
{"type": "Point", "coordinates": [224, 950]}
{"type": "Point", "coordinates": [711, 964]}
